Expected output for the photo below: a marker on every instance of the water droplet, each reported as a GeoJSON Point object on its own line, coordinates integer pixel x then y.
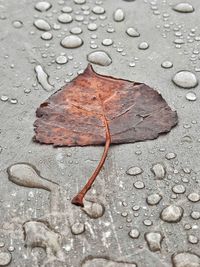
{"type": "Point", "coordinates": [178, 189]}
{"type": "Point", "coordinates": [167, 64]}
{"type": "Point", "coordinates": [42, 25]}
{"type": "Point", "coordinates": [118, 15]}
{"type": "Point", "coordinates": [172, 214]}
{"type": "Point", "coordinates": [76, 30]}
{"type": "Point", "coordinates": [79, 2]}
{"type": "Point", "coordinates": [195, 215]}
{"type": "Point", "coordinates": [98, 10]}
{"type": "Point", "coordinates": [42, 6]}
{"type": "Point", "coordinates": [47, 36]}
{"type": "Point", "coordinates": [158, 170]}
{"type": "Point", "coordinates": [193, 239]}
{"type": "Point", "coordinates": [132, 32]}
{"type": "Point", "coordinates": [65, 18]}
{"type": "Point", "coordinates": [134, 233]}
{"type": "Point", "coordinates": [67, 9]}
{"type": "Point", "coordinates": [183, 8]}
{"type": "Point", "coordinates": [93, 209]}
{"type": "Point", "coordinates": [147, 222]}
{"type": "Point", "coordinates": [13, 101]}
{"type": "Point", "coordinates": [17, 24]}
{"type": "Point", "coordinates": [72, 41]}
{"type": "Point", "coordinates": [185, 79]}
{"type": "Point", "coordinates": [186, 259]}
{"type": "Point", "coordinates": [4, 98]}
{"type": "Point", "coordinates": [154, 240]}
{"type": "Point", "coordinates": [107, 42]}
{"type": "Point", "coordinates": [5, 258]}
{"type": "Point", "coordinates": [100, 58]}
{"type": "Point", "coordinates": [134, 171]}
{"type": "Point", "coordinates": [154, 199]}
{"type": "Point", "coordinates": [170, 156]}
{"type": "Point", "coordinates": [191, 96]}
{"type": "Point", "coordinates": [77, 228]}
{"type": "Point", "coordinates": [194, 197]}
{"type": "Point", "coordinates": [143, 46]}
{"type": "Point", "coordinates": [92, 26]}
{"type": "Point", "coordinates": [61, 60]}
{"type": "Point", "coordinates": [139, 185]}
{"type": "Point", "coordinates": [42, 78]}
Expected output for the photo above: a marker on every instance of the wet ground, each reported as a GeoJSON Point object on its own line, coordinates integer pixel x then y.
{"type": "Point", "coordinates": [144, 208]}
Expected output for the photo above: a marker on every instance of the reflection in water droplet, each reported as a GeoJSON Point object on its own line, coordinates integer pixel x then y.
{"type": "Point", "coordinates": [185, 79]}
{"type": "Point", "coordinates": [4, 98]}
{"type": "Point", "coordinates": [183, 8]}
{"type": "Point", "coordinates": [100, 58]}
{"type": "Point", "coordinates": [195, 215]}
{"type": "Point", "coordinates": [158, 170]}
{"type": "Point", "coordinates": [178, 189]}
{"type": "Point", "coordinates": [72, 41]}
{"type": "Point", "coordinates": [172, 214]}
{"type": "Point", "coordinates": [154, 240]}
{"type": "Point", "coordinates": [42, 25]}
{"type": "Point", "coordinates": [132, 32]}
{"type": "Point", "coordinates": [191, 96]}
{"type": "Point", "coordinates": [42, 6]}
{"type": "Point", "coordinates": [118, 15]}
{"type": "Point", "coordinates": [5, 258]}
{"type": "Point", "coordinates": [193, 239]}
{"type": "Point", "coordinates": [76, 30]}
{"type": "Point", "coordinates": [170, 155]}
{"type": "Point", "coordinates": [42, 78]}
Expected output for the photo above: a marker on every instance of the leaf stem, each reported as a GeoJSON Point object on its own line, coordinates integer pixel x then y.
{"type": "Point", "coordinates": [78, 199]}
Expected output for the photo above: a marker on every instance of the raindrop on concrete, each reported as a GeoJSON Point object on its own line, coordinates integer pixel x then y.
{"type": "Point", "coordinates": [167, 64]}
{"type": "Point", "coordinates": [93, 209]}
{"type": "Point", "coordinates": [118, 15]}
{"type": "Point", "coordinates": [67, 9]}
{"type": "Point", "coordinates": [65, 18]}
{"type": "Point", "coordinates": [154, 199]}
{"type": "Point", "coordinates": [132, 32]}
{"type": "Point", "coordinates": [183, 8]}
{"type": "Point", "coordinates": [139, 185]}
{"type": "Point", "coordinates": [5, 258]}
{"type": "Point", "coordinates": [77, 228]}
{"type": "Point", "coordinates": [185, 79]}
{"type": "Point", "coordinates": [42, 25]}
{"type": "Point", "coordinates": [194, 197]}
{"type": "Point", "coordinates": [61, 60]}
{"type": "Point", "coordinates": [134, 171]}
{"type": "Point", "coordinates": [42, 6]}
{"type": "Point", "coordinates": [134, 233]}
{"type": "Point", "coordinates": [172, 214]}
{"type": "Point", "coordinates": [185, 259]}
{"type": "Point", "coordinates": [170, 155]}
{"type": "Point", "coordinates": [47, 36]}
{"type": "Point", "coordinates": [98, 10]}
{"type": "Point", "coordinates": [43, 78]}
{"type": "Point", "coordinates": [178, 189]}
{"type": "Point", "coordinates": [100, 58]}
{"type": "Point", "coordinates": [72, 41]}
{"type": "Point", "coordinates": [107, 42]}
{"type": "Point", "coordinates": [191, 96]}
{"type": "Point", "coordinates": [143, 46]}
{"type": "Point", "coordinates": [154, 240]}
{"type": "Point", "coordinates": [76, 30]}
{"type": "Point", "coordinates": [17, 24]}
{"type": "Point", "coordinates": [158, 170]}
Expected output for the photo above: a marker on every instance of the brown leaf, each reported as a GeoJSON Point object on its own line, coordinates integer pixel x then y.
{"type": "Point", "coordinates": [94, 109]}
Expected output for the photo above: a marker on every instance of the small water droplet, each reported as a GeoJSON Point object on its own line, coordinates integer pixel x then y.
{"type": "Point", "coordinates": [107, 42]}
{"type": "Point", "coordinates": [139, 185]}
{"type": "Point", "coordinates": [98, 10]}
{"type": "Point", "coordinates": [67, 9]}
{"type": "Point", "coordinates": [42, 78]}
{"type": "Point", "coordinates": [77, 228]}
{"type": "Point", "coordinates": [178, 189]}
{"type": "Point", "coordinates": [118, 15]}
{"type": "Point", "coordinates": [47, 36]}
{"type": "Point", "coordinates": [4, 98]}
{"type": "Point", "coordinates": [42, 6]}
{"type": "Point", "coordinates": [17, 24]}
{"type": "Point", "coordinates": [194, 197]}
{"type": "Point", "coordinates": [61, 60]}
{"type": "Point", "coordinates": [134, 171]}
{"type": "Point", "coordinates": [154, 199]}
{"type": "Point", "coordinates": [93, 209]}
{"type": "Point", "coordinates": [132, 32]}
{"type": "Point", "coordinates": [42, 25]}
{"type": "Point", "coordinates": [191, 96]}
{"type": "Point", "coordinates": [5, 258]}
{"type": "Point", "coordinates": [170, 156]}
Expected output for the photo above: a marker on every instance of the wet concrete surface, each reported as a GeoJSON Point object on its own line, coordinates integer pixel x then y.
{"type": "Point", "coordinates": [140, 218]}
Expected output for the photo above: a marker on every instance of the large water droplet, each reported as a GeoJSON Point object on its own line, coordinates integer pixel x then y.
{"type": "Point", "coordinates": [186, 259]}
{"type": "Point", "coordinates": [42, 25]}
{"type": "Point", "coordinates": [93, 209]}
{"type": "Point", "coordinates": [154, 199]}
{"type": "Point", "coordinates": [100, 58]}
{"type": "Point", "coordinates": [185, 79]}
{"type": "Point", "coordinates": [43, 78]}
{"type": "Point", "coordinates": [132, 32]}
{"type": "Point", "coordinates": [72, 41]}
{"type": "Point", "coordinates": [183, 8]}
{"type": "Point", "coordinates": [118, 15]}
{"type": "Point", "coordinates": [154, 240]}
{"type": "Point", "coordinates": [77, 228]}
{"type": "Point", "coordinates": [167, 64]}
{"type": "Point", "coordinates": [172, 214]}
{"type": "Point", "coordinates": [5, 258]}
